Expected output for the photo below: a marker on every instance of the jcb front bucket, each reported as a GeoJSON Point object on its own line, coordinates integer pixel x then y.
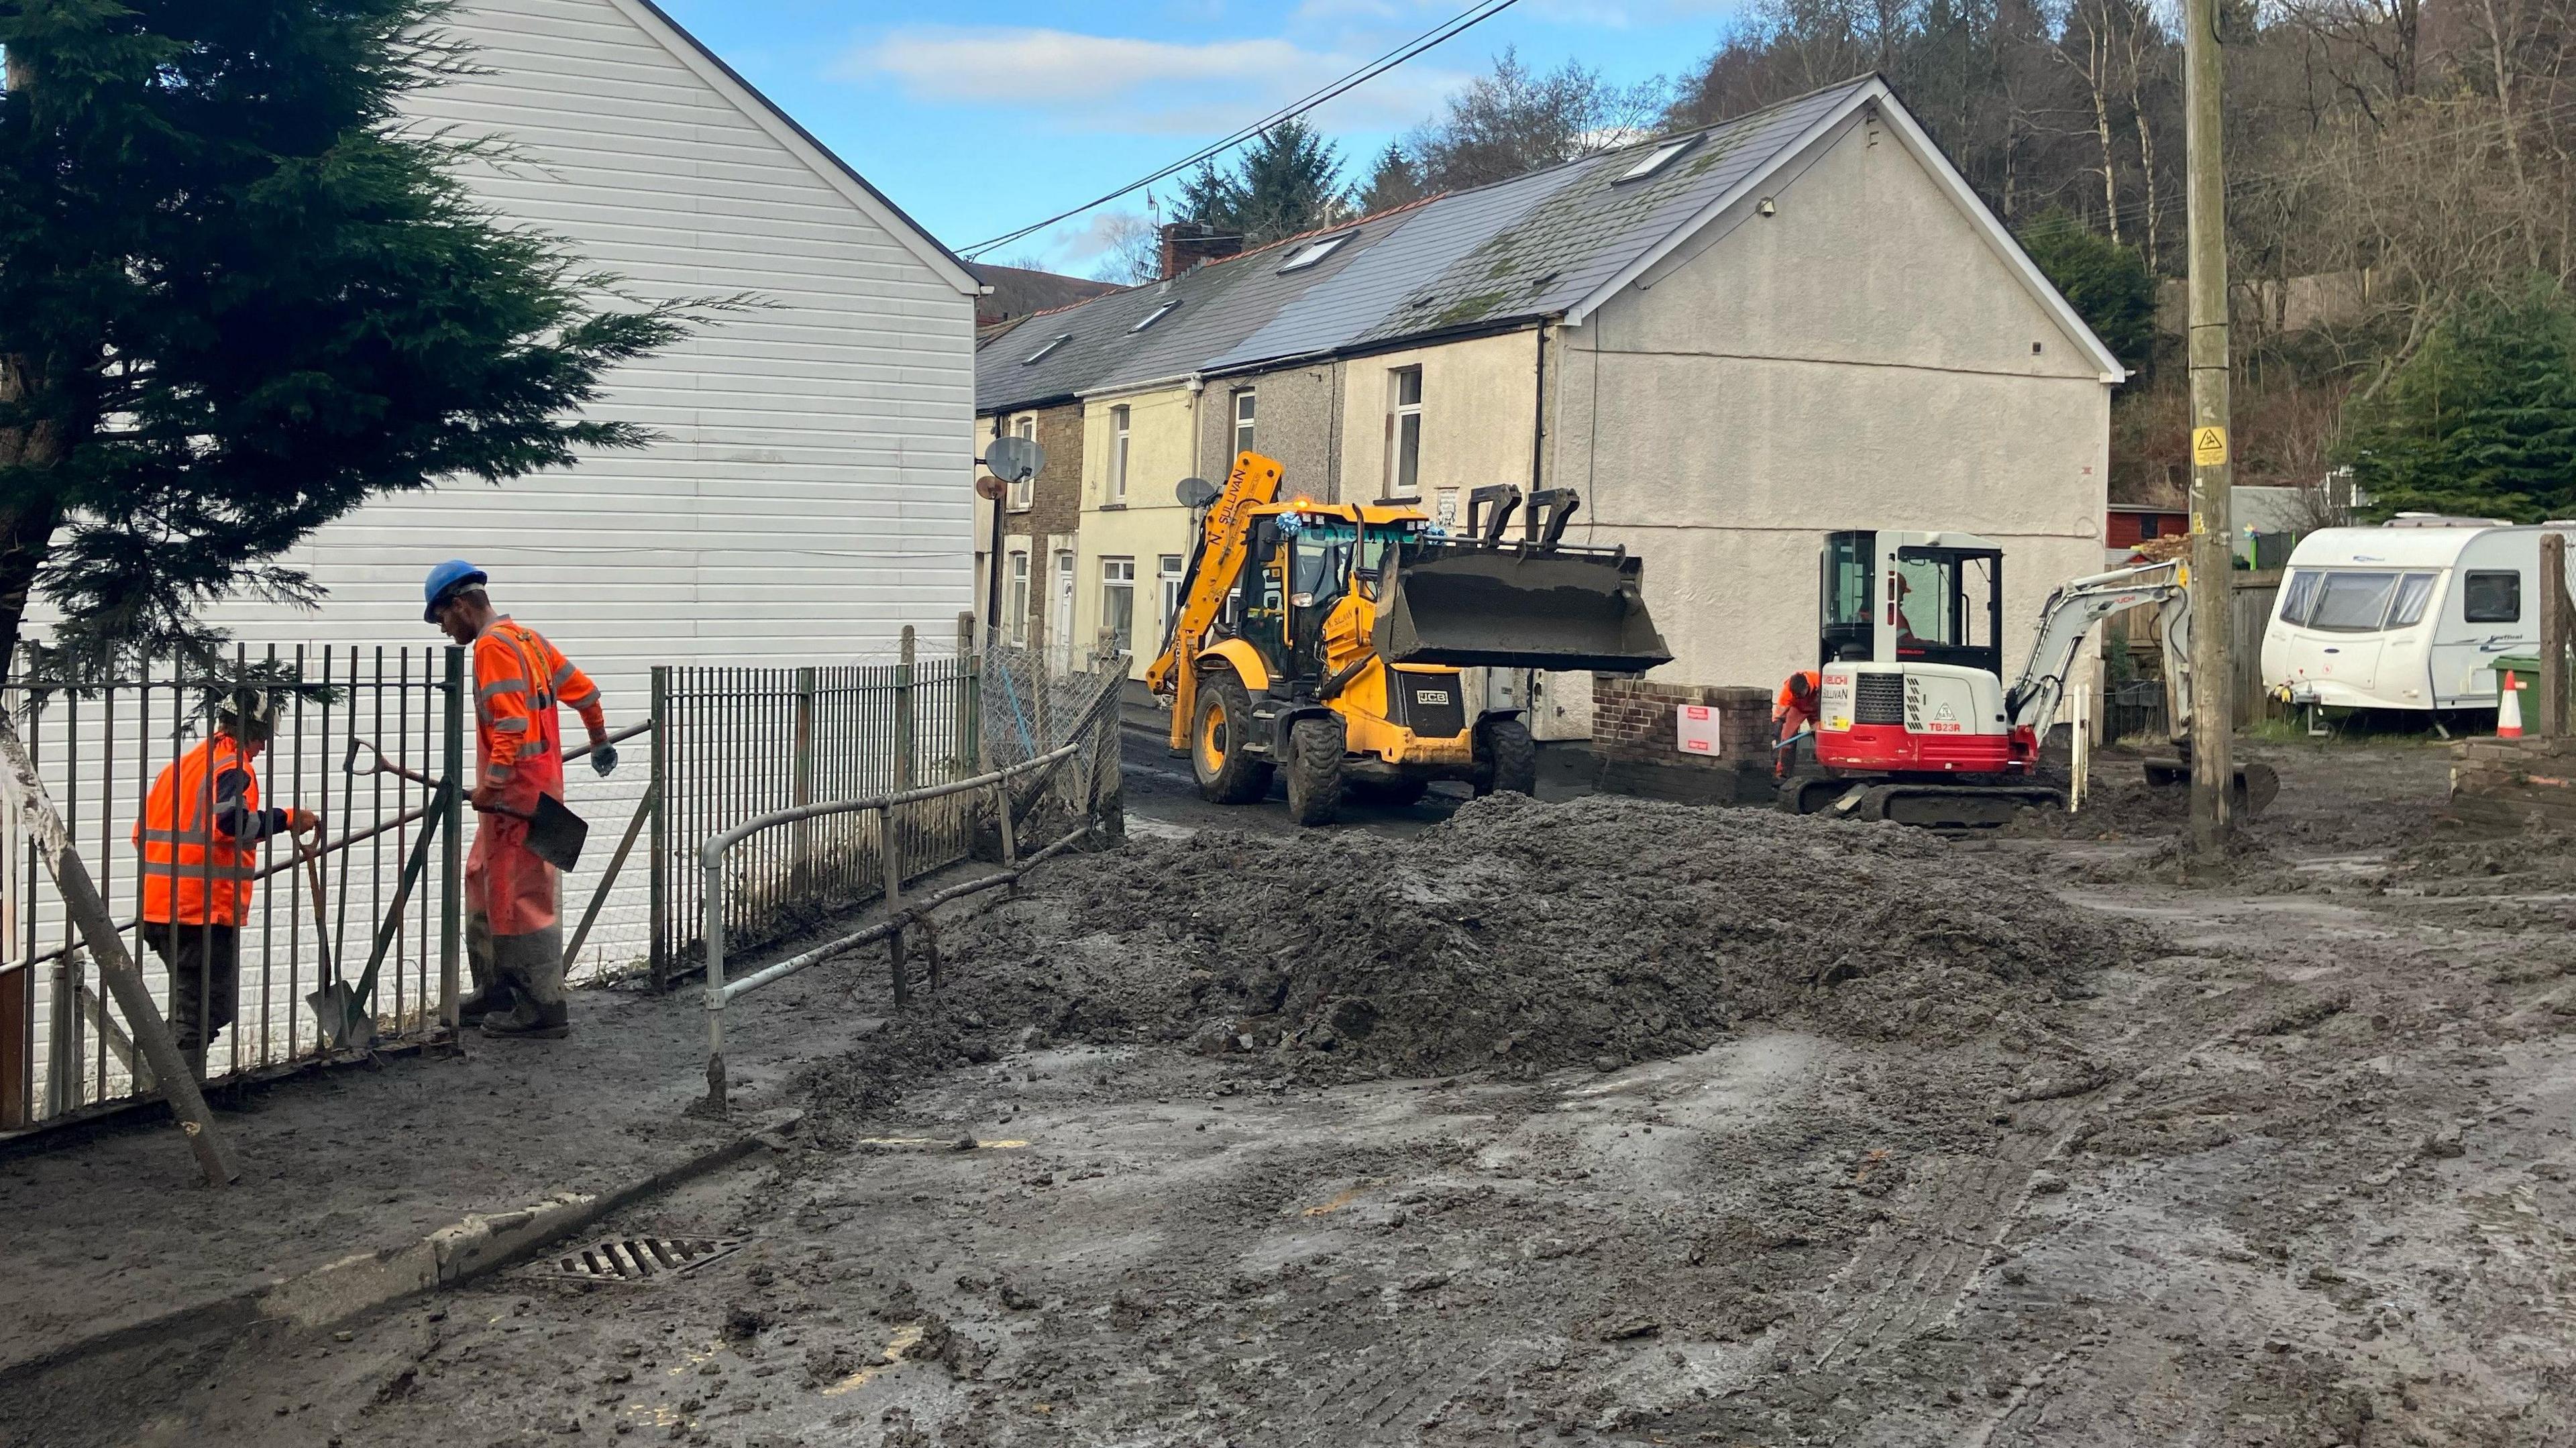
{"type": "Point", "coordinates": [1472, 607]}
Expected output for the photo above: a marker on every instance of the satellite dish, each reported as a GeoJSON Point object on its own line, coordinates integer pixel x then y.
{"type": "Point", "coordinates": [1014, 459]}
{"type": "Point", "coordinates": [991, 489]}
{"type": "Point", "coordinates": [1196, 492]}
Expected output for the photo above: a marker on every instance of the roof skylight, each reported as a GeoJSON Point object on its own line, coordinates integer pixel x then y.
{"type": "Point", "coordinates": [1313, 252]}
{"type": "Point", "coordinates": [1058, 340]}
{"type": "Point", "coordinates": [1657, 159]}
{"type": "Point", "coordinates": [1156, 315]}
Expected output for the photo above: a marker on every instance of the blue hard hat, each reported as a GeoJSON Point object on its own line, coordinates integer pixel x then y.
{"type": "Point", "coordinates": [445, 579]}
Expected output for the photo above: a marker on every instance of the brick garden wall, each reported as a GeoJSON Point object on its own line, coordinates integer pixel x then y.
{"type": "Point", "coordinates": [2509, 783]}
{"type": "Point", "coordinates": [1633, 733]}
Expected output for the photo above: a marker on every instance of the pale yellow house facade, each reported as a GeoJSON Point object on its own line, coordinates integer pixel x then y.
{"type": "Point", "coordinates": [1116, 585]}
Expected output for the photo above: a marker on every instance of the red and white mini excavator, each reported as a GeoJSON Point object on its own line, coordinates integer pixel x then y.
{"type": "Point", "coordinates": [1914, 721]}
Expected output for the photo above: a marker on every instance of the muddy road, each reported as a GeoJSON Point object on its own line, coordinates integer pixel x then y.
{"type": "Point", "coordinates": [1598, 1122]}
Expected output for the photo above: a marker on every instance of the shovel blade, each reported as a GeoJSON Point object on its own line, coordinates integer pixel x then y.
{"type": "Point", "coordinates": [555, 834]}
{"type": "Point", "coordinates": [342, 1017]}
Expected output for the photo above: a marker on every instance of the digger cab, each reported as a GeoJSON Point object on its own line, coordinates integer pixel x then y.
{"type": "Point", "coordinates": [1918, 598]}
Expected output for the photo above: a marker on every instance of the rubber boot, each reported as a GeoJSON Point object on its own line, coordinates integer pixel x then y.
{"type": "Point", "coordinates": [531, 1021]}
{"type": "Point", "coordinates": [498, 998]}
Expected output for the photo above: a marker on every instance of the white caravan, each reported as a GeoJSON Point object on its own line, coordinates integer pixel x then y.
{"type": "Point", "coordinates": [2409, 615]}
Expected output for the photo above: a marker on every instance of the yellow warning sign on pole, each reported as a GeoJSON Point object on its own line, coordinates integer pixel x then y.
{"type": "Point", "coordinates": [2208, 447]}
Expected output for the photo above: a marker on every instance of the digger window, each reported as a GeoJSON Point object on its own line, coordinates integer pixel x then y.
{"type": "Point", "coordinates": [1948, 606]}
{"type": "Point", "coordinates": [1320, 566]}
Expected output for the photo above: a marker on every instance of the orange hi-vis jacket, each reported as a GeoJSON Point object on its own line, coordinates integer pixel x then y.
{"type": "Point", "coordinates": [1785, 702]}
{"type": "Point", "coordinates": [200, 835]}
{"type": "Point", "coordinates": [518, 680]}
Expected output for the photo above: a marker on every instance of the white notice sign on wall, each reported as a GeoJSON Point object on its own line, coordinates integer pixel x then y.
{"type": "Point", "coordinates": [1695, 729]}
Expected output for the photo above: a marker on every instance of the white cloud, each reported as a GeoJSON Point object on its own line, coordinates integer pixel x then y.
{"type": "Point", "coordinates": [1121, 83]}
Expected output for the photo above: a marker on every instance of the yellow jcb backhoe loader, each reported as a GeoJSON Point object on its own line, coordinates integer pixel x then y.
{"type": "Point", "coordinates": [1327, 639]}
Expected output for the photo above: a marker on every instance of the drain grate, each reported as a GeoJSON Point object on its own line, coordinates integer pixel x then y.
{"type": "Point", "coordinates": [639, 1259]}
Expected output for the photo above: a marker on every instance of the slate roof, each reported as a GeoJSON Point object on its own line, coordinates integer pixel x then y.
{"type": "Point", "coordinates": [1534, 246]}
{"type": "Point", "coordinates": [1018, 291]}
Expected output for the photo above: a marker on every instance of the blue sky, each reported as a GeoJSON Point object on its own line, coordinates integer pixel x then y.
{"type": "Point", "coordinates": [980, 119]}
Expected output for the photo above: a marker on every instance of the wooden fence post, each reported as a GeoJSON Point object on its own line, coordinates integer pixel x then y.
{"type": "Point", "coordinates": [2553, 636]}
{"type": "Point", "coordinates": [88, 911]}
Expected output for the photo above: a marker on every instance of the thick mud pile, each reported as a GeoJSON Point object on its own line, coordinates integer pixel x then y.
{"type": "Point", "coordinates": [1517, 937]}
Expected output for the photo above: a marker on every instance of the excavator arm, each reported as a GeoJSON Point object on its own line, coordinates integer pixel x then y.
{"type": "Point", "coordinates": [1224, 539]}
{"type": "Point", "coordinates": [2067, 619]}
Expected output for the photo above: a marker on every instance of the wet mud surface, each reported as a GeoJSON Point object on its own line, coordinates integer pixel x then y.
{"type": "Point", "coordinates": [1597, 1122]}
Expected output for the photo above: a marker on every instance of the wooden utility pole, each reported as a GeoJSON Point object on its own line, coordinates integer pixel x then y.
{"type": "Point", "coordinates": [2553, 636]}
{"type": "Point", "coordinates": [2213, 702]}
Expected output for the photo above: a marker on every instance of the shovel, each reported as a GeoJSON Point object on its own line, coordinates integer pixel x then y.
{"type": "Point", "coordinates": [345, 1012]}
{"type": "Point", "coordinates": [555, 834]}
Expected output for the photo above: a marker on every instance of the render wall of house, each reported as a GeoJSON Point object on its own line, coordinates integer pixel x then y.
{"type": "Point", "coordinates": [810, 493]}
{"type": "Point", "coordinates": [1477, 411]}
{"type": "Point", "coordinates": [1163, 448]}
{"type": "Point", "coordinates": [1860, 359]}
{"type": "Point", "coordinates": [1297, 422]}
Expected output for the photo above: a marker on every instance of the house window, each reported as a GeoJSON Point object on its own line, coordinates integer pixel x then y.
{"type": "Point", "coordinates": [1167, 577]}
{"type": "Point", "coordinates": [1403, 431]}
{"type": "Point", "coordinates": [1243, 422]}
{"type": "Point", "coordinates": [1313, 252]}
{"type": "Point", "coordinates": [1156, 315]}
{"type": "Point", "coordinates": [1058, 340]}
{"type": "Point", "coordinates": [1118, 602]}
{"type": "Point", "coordinates": [1657, 159]}
{"type": "Point", "coordinates": [1024, 490]}
{"type": "Point", "coordinates": [1015, 602]}
{"type": "Point", "coordinates": [2492, 596]}
{"type": "Point", "coordinates": [1118, 455]}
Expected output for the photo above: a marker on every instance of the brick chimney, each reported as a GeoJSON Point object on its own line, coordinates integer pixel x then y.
{"type": "Point", "coordinates": [1187, 244]}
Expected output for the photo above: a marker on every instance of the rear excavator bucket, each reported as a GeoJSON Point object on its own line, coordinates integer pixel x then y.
{"type": "Point", "coordinates": [1471, 605]}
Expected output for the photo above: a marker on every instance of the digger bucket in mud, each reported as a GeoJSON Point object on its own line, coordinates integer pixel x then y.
{"type": "Point", "coordinates": [1519, 607]}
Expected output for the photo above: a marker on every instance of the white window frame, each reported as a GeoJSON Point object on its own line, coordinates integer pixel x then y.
{"type": "Point", "coordinates": [1167, 581]}
{"type": "Point", "coordinates": [1024, 490]}
{"type": "Point", "coordinates": [1313, 252]}
{"type": "Point", "coordinates": [1015, 599]}
{"type": "Point", "coordinates": [1664, 154]}
{"type": "Point", "coordinates": [1120, 422]}
{"type": "Point", "coordinates": [1118, 575]}
{"type": "Point", "coordinates": [1245, 421]}
{"type": "Point", "coordinates": [1401, 459]}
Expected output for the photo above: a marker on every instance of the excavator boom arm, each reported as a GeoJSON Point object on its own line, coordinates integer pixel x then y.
{"type": "Point", "coordinates": [1224, 538]}
{"type": "Point", "coordinates": [2067, 619]}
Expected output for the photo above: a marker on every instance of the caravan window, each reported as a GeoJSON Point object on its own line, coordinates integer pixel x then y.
{"type": "Point", "coordinates": [2492, 596]}
{"type": "Point", "coordinates": [2299, 596]}
{"type": "Point", "coordinates": [2352, 602]}
{"type": "Point", "coordinates": [2413, 592]}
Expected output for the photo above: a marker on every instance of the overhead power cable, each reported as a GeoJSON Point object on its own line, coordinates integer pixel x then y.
{"type": "Point", "coordinates": [1450, 29]}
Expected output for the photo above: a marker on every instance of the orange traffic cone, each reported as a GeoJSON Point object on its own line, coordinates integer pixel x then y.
{"type": "Point", "coordinates": [2509, 712]}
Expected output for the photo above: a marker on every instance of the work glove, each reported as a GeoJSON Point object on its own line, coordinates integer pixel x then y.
{"type": "Point", "coordinates": [603, 759]}
{"type": "Point", "coordinates": [303, 822]}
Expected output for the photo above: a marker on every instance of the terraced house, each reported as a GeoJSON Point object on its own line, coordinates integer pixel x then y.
{"type": "Point", "coordinates": [1727, 342]}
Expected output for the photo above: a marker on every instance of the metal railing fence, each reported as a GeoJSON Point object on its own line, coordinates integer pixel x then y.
{"type": "Point", "coordinates": [738, 744]}
{"type": "Point", "coordinates": [65, 1048]}
{"type": "Point", "coordinates": [1070, 791]}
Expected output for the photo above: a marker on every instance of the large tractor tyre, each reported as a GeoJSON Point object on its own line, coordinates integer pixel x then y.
{"type": "Point", "coordinates": [1226, 773]}
{"type": "Point", "coordinates": [1391, 793]}
{"type": "Point", "coordinates": [1315, 771]}
{"type": "Point", "coordinates": [1506, 758]}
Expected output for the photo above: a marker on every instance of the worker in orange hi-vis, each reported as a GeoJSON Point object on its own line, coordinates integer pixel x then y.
{"type": "Point", "coordinates": [513, 933]}
{"type": "Point", "coordinates": [1792, 709]}
{"type": "Point", "coordinates": [200, 835]}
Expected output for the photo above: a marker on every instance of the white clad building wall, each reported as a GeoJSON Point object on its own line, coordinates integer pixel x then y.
{"type": "Point", "coordinates": [811, 490]}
